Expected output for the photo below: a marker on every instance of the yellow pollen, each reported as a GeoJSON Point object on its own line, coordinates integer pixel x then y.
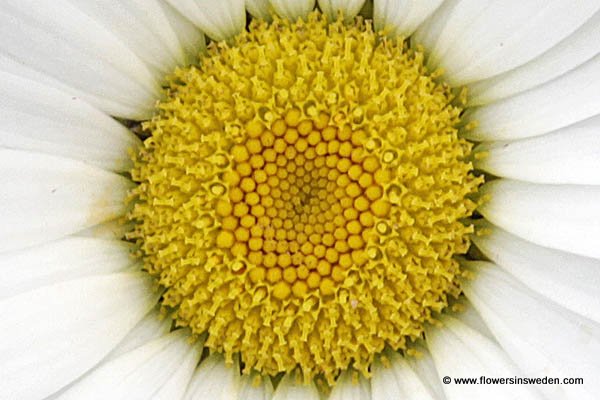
{"type": "Point", "coordinates": [301, 197]}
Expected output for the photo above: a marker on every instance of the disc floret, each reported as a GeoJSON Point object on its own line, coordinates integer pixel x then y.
{"type": "Point", "coordinates": [302, 194]}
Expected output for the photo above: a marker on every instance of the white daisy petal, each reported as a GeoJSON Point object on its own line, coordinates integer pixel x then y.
{"type": "Point", "coordinates": [571, 52]}
{"type": "Point", "coordinates": [259, 9]}
{"type": "Point", "coordinates": [349, 8]}
{"type": "Point", "coordinates": [425, 369]}
{"type": "Point", "coordinates": [570, 155]}
{"type": "Point", "coordinates": [461, 352]}
{"type": "Point", "coordinates": [428, 34]}
{"type": "Point", "coordinates": [570, 280]}
{"type": "Point", "coordinates": [291, 389]}
{"type": "Point", "coordinates": [148, 329]}
{"type": "Point", "coordinates": [191, 38]}
{"type": "Point", "coordinates": [439, 32]}
{"type": "Point", "coordinates": [566, 100]}
{"type": "Point", "coordinates": [142, 26]}
{"type": "Point", "coordinates": [113, 229]}
{"type": "Point", "coordinates": [564, 217]}
{"type": "Point", "coordinates": [402, 17]}
{"type": "Point", "coordinates": [543, 338]}
{"type": "Point", "coordinates": [398, 381]}
{"type": "Point", "coordinates": [176, 386]}
{"type": "Point", "coordinates": [293, 9]}
{"type": "Point", "coordinates": [52, 335]}
{"type": "Point", "coordinates": [469, 316]}
{"type": "Point", "coordinates": [46, 197]}
{"type": "Point", "coordinates": [151, 327]}
{"type": "Point", "coordinates": [61, 45]}
{"type": "Point", "coordinates": [60, 261]}
{"type": "Point", "coordinates": [480, 39]}
{"type": "Point", "coordinates": [159, 369]}
{"type": "Point", "coordinates": [218, 19]}
{"type": "Point", "coordinates": [250, 390]}
{"type": "Point", "coordinates": [34, 116]}
{"type": "Point", "coordinates": [347, 389]}
{"type": "Point", "coordinates": [214, 380]}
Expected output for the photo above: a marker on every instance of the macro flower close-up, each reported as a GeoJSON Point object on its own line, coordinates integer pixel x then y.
{"type": "Point", "coordinates": [299, 199]}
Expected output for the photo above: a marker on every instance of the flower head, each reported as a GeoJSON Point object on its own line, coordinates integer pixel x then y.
{"type": "Point", "coordinates": [302, 197]}
{"type": "Point", "coordinates": [302, 190]}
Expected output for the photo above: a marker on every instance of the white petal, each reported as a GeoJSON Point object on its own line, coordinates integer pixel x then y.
{"type": "Point", "coordinates": [113, 229]}
{"type": "Point", "coordinates": [347, 389]}
{"type": "Point", "coordinates": [52, 335]}
{"type": "Point", "coordinates": [218, 19]}
{"type": "Point", "coordinates": [249, 390]}
{"type": "Point", "coordinates": [148, 329]}
{"type": "Point", "coordinates": [461, 352]}
{"type": "Point", "coordinates": [543, 338]}
{"type": "Point", "coordinates": [259, 9]}
{"type": "Point", "coordinates": [159, 369]}
{"type": "Point", "coordinates": [293, 9]}
{"type": "Point", "coordinates": [425, 369]}
{"type": "Point", "coordinates": [564, 217]}
{"type": "Point", "coordinates": [60, 261]}
{"type": "Point", "coordinates": [447, 24]}
{"type": "Point", "coordinates": [151, 327]}
{"type": "Point", "coordinates": [429, 32]}
{"type": "Point", "coordinates": [63, 46]}
{"type": "Point", "coordinates": [570, 280]}
{"type": "Point", "coordinates": [143, 26]}
{"type": "Point", "coordinates": [38, 117]}
{"type": "Point", "coordinates": [214, 380]}
{"type": "Point", "coordinates": [291, 389]}
{"type": "Point", "coordinates": [178, 382]}
{"type": "Point", "coordinates": [349, 8]}
{"type": "Point", "coordinates": [476, 39]}
{"type": "Point", "coordinates": [569, 155]}
{"type": "Point", "coordinates": [566, 100]}
{"type": "Point", "coordinates": [469, 316]}
{"type": "Point", "coordinates": [571, 52]}
{"type": "Point", "coordinates": [398, 381]}
{"type": "Point", "coordinates": [45, 197]}
{"type": "Point", "coordinates": [402, 17]}
{"type": "Point", "coordinates": [191, 38]}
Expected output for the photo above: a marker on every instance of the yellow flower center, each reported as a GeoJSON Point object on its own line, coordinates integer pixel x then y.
{"type": "Point", "coordinates": [301, 197]}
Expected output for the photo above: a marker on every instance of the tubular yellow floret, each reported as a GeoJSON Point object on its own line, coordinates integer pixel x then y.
{"type": "Point", "coordinates": [301, 197]}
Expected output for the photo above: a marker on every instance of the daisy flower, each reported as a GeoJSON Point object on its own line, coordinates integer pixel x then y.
{"type": "Point", "coordinates": [299, 199]}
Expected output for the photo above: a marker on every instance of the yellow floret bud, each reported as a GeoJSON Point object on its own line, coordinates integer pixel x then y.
{"type": "Point", "coordinates": [225, 239]}
{"type": "Point", "coordinates": [327, 287]}
{"type": "Point", "coordinates": [292, 117]}
{"type": "Point", "coordinates": [239, 153]}
{"type": "Point", "coordinates": [300, 289]}
{"type": "Point", "coordinates": [281, 290]}
{"type": "Point", "coordinates": [254, 128]}
{"type": "Point", "coordinates": [223, 208]}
